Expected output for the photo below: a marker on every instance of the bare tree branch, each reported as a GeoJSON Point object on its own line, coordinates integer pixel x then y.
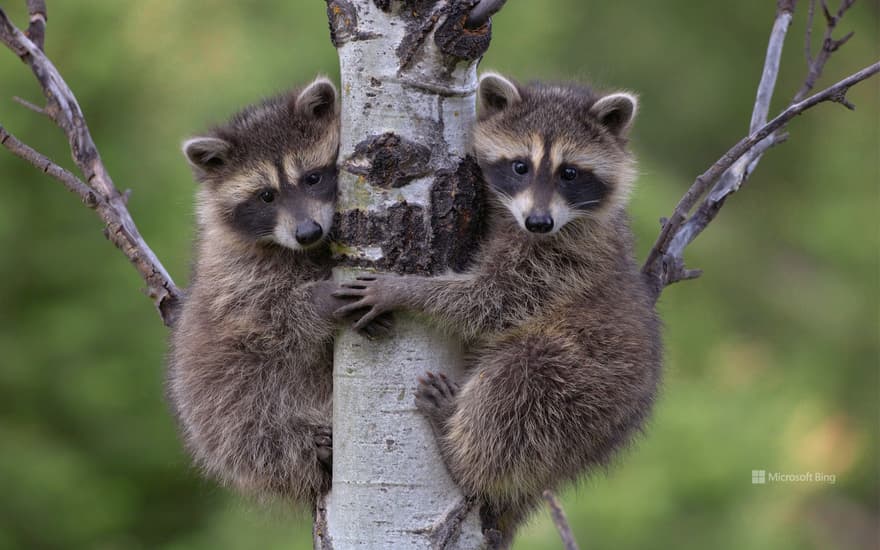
{"type": "Point", "coordinates": [729, 183]}
{"type": "Point", "coordinates": [736, 175]}
{"type": "Point", "coordinates": [665, 263]}
{"type": "Point", "coordinates": [73, 184]}
{"type": "Point", "coordinates": [30, 106]}
{"type": "Point", "coordinates": [662, 268]}
{"type": "Point", "coordinates": [482, 11]}
{"type": "Point", "coordinates": [561, 521]}
{"type": "Point", "coordinates": [98, 191]}
{"type": "Point", "coordinates": [761, 110]}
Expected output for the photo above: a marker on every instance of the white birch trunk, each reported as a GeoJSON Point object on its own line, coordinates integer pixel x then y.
{"type": "Point", "coordinates": [390, 487]}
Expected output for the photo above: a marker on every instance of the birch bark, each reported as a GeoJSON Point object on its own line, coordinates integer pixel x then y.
{"type": "Point", "coordinates": [409, 202]}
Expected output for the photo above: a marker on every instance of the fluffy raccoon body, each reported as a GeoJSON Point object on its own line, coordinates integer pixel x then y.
{"type": "Point", "coordinates": [249, 375]}
{"type": "Point", "coordinates": [565, 346]}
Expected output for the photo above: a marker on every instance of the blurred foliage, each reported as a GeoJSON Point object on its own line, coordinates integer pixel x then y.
{"type": "Point", "coordinates": [772, 356]}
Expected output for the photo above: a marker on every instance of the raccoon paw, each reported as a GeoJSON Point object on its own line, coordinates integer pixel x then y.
{"type": "Point", "coordinates": [323, 438]}
{"type": "Point", "coordinates": [435, 398]}
{"type": "Point", "coordinates": [368, 296]}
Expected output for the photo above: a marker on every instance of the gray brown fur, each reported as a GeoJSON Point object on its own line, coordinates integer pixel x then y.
{"type": "Point", "coordinates": [565, 344]}
{"type": "Point", "coordinates": [249, 374]}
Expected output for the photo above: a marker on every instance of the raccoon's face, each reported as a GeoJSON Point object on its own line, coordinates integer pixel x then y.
{"type": "Point", "coordinates": [552, 154]}
{"type": "Point", "coordinates": [270, 175]}
{"type": "Point", "coordinates": [286, 202]}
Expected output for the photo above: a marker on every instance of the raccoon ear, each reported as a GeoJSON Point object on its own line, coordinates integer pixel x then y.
{"type": "Point", "coordinates": [318, 99]}
{"type": "Point", "coordinates": [496, 94]}
{"type": "Point", "coordinates": [206, 153]}
{"type": "Point", "coordinates": [616, 112]}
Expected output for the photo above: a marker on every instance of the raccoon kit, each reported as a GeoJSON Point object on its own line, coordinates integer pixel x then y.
{"type": "Point", "coordinates": [249, 375]}
{"type": "Point", "coordinates": [565, 344]}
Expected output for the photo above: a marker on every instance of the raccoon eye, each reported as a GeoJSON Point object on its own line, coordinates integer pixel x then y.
{"type": "Point", "coordinates": [519, 167]}
{"type": "Point", "coordinates": [314, 178]}
{"type": "Point", "coordinates": [267, 196]}
{"type": "Point", "coordinates": [569, 173]}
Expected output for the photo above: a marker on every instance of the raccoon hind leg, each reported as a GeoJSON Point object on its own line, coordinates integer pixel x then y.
{"type": "Point", "coordinates": [435, 399]}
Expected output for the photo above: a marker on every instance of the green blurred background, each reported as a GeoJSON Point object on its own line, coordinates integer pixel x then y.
{"type": "Point", "coordinates": [772, 356]}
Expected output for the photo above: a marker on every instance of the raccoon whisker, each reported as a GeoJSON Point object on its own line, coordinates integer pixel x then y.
{"type": "Point", "coordinates": [586, 203]}
{"type": "Point", "coordinates": [500, 200]}
{"type": "Point", "coordinates": [503, 205]}
{"type": "Point", "coordinates": [264, 238]}
{"type": "Point", "coordinates": [503, 200]}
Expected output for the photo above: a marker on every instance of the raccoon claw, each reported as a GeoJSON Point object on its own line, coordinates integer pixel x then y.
{"type": "Point", "coordinates": [435, 398]}
{"type": "Point", "coordinates": [323, 439]}
{"type": "Point", "coordinates": [438, 386]}
{"type": "Point", "coordinates": [367, 317]}
{"type": "Point", "coordinates": [380, 327]}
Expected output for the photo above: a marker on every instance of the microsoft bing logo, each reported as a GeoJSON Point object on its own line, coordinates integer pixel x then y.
{"type": "Point", "coordinates": [763, 477]}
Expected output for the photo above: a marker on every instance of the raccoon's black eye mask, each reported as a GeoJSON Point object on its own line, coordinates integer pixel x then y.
{"type": "Point", "coordinates": [254, 218]}
{"type": "Point", "coordinates": [507, 176]}
{"type": "Point", "coordinates": [582, 189]}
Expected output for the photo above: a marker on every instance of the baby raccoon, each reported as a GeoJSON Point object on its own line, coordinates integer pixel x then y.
{"type": "Point", "coordinates": [565, 344]}
{"type": "Point", "coordinates": [249, 373]}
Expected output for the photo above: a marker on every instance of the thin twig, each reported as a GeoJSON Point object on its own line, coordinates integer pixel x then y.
{"type": "Point", "coordinates": [73, 183]}
{"type": "Point", "coordinates": [28, 105]}
{"type": "Point", "coordinates": [561, 521]}
{"type": "Point", "coordinates": [808, 35]}
{"type": "Point", "coordinates": [38, 18]}
{"type": "Point", "coordinates": [63, 109]}
{"type": "Point", "coordinates": [829, 46]}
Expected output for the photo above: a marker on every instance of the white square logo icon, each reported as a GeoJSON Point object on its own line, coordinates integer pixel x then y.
{"type": "Point", "coordinates": [759, 477]}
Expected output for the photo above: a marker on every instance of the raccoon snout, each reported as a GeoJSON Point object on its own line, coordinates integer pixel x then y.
{"type": "Point", "coordinates": [308, 232]}
{"type": "Point", "coordinates": [539, 223]}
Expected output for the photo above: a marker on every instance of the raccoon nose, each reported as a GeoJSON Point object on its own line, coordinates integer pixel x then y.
{"type": "Point", "coordinates": [539, 223]}
{"type": "Point", "coordinates": [308, 232]}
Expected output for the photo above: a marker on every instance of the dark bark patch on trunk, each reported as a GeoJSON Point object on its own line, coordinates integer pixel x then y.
{"type": "Point", "coordinates": [416, 240]}
{"type": "Point", "coordinates": [458, 212]}
{"type": "Point", "coordinates": [389, 161]}
{"type": "Point", "coordinates": [453, 38]}
{"type": "Point", "coordinates": [420, 18]}
{"type": "Point", "coordinates": [343, 19]}
{"type": "Point", "coordinates": [401, 234]}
